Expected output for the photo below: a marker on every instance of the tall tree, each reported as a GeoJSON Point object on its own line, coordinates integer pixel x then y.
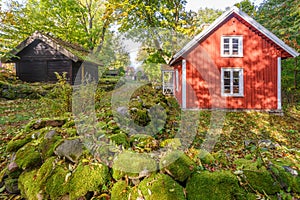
{"type": "Point", "coordinates": [283, 19]}
{"type": "Point", "coordinates": [79, 21]}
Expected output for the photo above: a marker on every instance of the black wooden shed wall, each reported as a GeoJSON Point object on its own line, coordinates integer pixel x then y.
{"type": "Point", "coordinates": [38, 62]}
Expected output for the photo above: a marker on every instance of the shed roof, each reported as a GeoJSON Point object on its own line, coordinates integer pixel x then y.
{"type": "Point", "coordinates": [221, 19]}
{"type": "Point", "coordinates": [74, 52]}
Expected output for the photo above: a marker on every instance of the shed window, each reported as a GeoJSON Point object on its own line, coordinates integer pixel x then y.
{"type": "Point", "coordinates": [232, 46]}
{"type": "Point", "coordinates": [232, 82]}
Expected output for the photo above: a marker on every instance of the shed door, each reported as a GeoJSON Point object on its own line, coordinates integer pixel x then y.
{"type": "Point", "coordinates": [58, 66]}
{"type": "Point", "coordinates": [32, 71]}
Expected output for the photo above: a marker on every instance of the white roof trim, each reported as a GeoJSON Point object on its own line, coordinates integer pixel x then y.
{"type": "Point", "coordinates": [223, 17]}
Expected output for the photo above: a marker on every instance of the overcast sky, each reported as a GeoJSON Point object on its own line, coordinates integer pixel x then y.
{"type": "Point", "coordinates": [217, 4]}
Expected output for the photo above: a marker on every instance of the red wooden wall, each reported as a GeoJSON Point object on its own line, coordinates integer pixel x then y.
{"type": "Point", "coordinates": [259, 62]}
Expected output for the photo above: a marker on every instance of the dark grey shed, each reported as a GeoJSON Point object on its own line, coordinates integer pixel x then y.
{"type": "Point", "coordinates": [40, 55]}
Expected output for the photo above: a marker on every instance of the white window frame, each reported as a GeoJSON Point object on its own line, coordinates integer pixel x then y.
{"type": "Point", "coordinates": [240, 46]}
{"type": "Point", "coordinates": [177, 79]}
{"type": "Point", "coordinates": [241, 82]}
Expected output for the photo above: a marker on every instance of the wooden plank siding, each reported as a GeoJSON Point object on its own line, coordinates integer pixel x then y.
{"type": "Point", "coordinates": [38, 62]}
{"type": "Point", "coordinates": [259, 61]}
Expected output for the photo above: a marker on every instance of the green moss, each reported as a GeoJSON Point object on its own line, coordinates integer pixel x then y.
{"type": "Point", "coordinates": [17, 142]}
{"type": "Point", "coordinates": [145, 142]}
{"type": "Point", "coordinates": [120, 139]}
{"type": "Point", "coordinates": [56, 184]}
{"type": "Point", "coordinates": [162, 187]}
{"type": "Point", "coordinates": [45, 170]}
{"type": "Point", "coordinates": [246, 164]}
{"type": "Point", "coordinates": [120, 191]}
{"type": "Point", "coordinates": [287, 180]}
{"type": "Point", "coordinates": [47, 146]}
{"type": "Point", "coordinates": [213, 186]}
{"type": "Point", "coordinates": [206, 157]}
{"type": "Point", "coordinates": [178, 165]}
{"type": "Point", "coordinates": [262, 181]}
{"type": "Point", "coordinates": [174, 143]}
{"type": "Point", "coordinates": [28, 156]}
{"type": "Point", "coordinates": [131, 164]}
{"type": "Point", "coordinates": [88, 178]}
{"type": "Point", "coordinates": [28, 186]}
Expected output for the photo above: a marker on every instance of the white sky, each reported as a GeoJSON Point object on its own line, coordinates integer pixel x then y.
{"type": "Point", "coordinates": [216, 4]}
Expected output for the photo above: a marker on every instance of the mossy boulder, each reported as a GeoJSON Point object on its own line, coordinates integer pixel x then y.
{"type": "Point", "coordinates": [262, 181]}
{"type": "Point", "coordinates": [132, 164]}
{"type": "Point", "coordinates": [71, 149]}
{"type": "Point", "coordinates": [88, 178]}
{"type": "Point", "coordinates": [245, 164]}
{"type": "Point", "coordinates": [122, 191]}
{"type": "Point", "coordinates": [18, 142]}
{"type": "Point", "coordinates": [28, 186]}
{"type": "Point", "coordinates": [57, 184]}
{"type": "Point", "coordinates": [28, 156]}
{"type": "Point", "coordinates": [120, 139]}
{"type": "Point", "coordinates": [49, 144]}
{"type": "Point", "coordinates": [178, 165]}
{"type": "Point", "coordinates": [48, 182]}
{"type": "Point", "coordinates": [11, 185]}
{"type": "Point", "coordinates": [162, 187]}
{"type": "Point", "coordinates": [213, 186]}
{"type": "Point", "coordinates": [288, 181]}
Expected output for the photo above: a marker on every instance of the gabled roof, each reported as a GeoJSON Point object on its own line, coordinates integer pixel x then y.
{"type": "Point", "coordinates": [233, 10]}
{"type": "Point", "coordinates": [74, 52]}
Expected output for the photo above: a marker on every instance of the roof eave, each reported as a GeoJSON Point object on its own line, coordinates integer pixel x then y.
{"type": "Point", "coordinates": [47, 40]}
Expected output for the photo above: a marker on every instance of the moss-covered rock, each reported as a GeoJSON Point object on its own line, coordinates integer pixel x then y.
{"type": "Point", "coordinates": [18, 142]}
{"type": "Point", "coordinates": [88, 178]}
{"type": "Point", "coordinates": [48, 145]}
{"type": "Point", "coordinates": [287, 181]}
{"type": "Point", "coordinates": [57, 184]}
{"type": "Point", "coordinates": [132, 164]}
{"type": "Point", "coordinates": [246, 164]}
{"type": "Point", "coordinates": [11, 185]}
{"type": "Point", "coordinates": [120, 139]}
{"type": "Point", "coordinates": [162, 187]}
{"type": "Point", "coordinates": [28, 186]}
{"type": "Point", "coordinates": [178, 165]}
{"type": "Point", "coordinates": [120, 191]}
{"type": "Point", "coordinates": [213, 186]}
{"type": "Point", "coordinates": [28, 156]}
{"type": "Point", "coordinates": [262, 181]}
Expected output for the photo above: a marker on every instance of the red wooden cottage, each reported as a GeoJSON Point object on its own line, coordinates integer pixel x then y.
{"type": "Point", "coordinates": [235, 63]}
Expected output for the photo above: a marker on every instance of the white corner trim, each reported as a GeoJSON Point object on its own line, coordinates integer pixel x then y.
{"type": "Point", "coordinates": [279, 83]}
{"type": "Point", "coordinates": [183, 84]}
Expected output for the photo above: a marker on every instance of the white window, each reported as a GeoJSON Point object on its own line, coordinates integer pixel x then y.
{"type": "Point", "coordinates": [232, 46]}
{"type": "Point", "coordinates": [177, 80]}
{"type": "Point", "coordinates": [232, 82]}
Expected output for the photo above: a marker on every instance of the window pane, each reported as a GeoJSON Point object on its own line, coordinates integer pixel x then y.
{"type": "Point", "coordinates": [236, 81]}
{"type": "Point", "coordinates": [236, 74]}
{"type": "Point", "coordinates": [227, 89]}
{"type": "Point", "coordinates": [226, 41]}
{"type": "Point", "coordinates": [227, 82]}
{"type": "Point", "coordinates": [226, 74]}
{"type": "Point", "coordinates": [235, 41]}
{"type": "Point", "coordinates": [236, 89]}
